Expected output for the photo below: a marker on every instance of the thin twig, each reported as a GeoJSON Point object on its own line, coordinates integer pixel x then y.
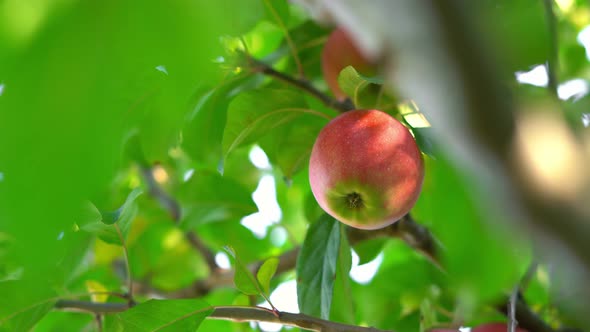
{"type": "Point", "coordinates": [552, 61]}
{"type": "Point", "coordinates": [303, 85]}
{"type": "Point", "coordinates": [288, 38]}
{"type": "Point", "coordinates": [232, 313]}
{"type": "Point", "coordinates": [512, 309]}
{"type": "Point", "coordinates": [527, 319]}
{"type": "Point", "coordinates": [98, 318]}
{"type": "Point", "coordinates": [128, 270]}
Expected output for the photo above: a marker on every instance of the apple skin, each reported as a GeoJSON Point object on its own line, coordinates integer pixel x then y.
{"type": "Point", "coordinates": [340, 52]}
{"type": "Point", "coordinates": [365, 169]}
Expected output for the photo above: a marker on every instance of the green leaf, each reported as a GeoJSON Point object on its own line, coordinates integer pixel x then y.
{"type": "Point", "coordinates": [164, 315]}
{"type": "Point", "coordinates": [125, 213]}
{"type": "Point", "coordinates": [266, 272]}
{"type": "Point", "coordinates": [243, 277]}
{"type": "Point", "coordinates": [316, 267]}
{"type": "Point", "coordinates": [209, 197]}
{"type": "Point", "coordinates": [365, 92]}
{"type": "Point", "coordinates": [105, 228]}
{"type": "Point", "coordinates": [253, 114]}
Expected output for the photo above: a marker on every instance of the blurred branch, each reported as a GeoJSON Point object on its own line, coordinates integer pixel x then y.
{"type": "Point", "coordinates": [127, 268]}
{"type": "Point", "coordinates": [491, 118]}
{"type": "Point", "coordinates": [406, 229]}
{"type": "Point", "coordinates": [173, 207]}
{"type": "Point", "coordinates": [247, 314]}
{"type": "Point", "coordinates": [207, 254]}
{"type": "Point", "coordinates": [231, 313]}
{"type": "Point", "coordinates": [261, 67]}
{"type": "Point", "coordinates": [527, 319]}
{"type": "Point", "coordinates": [157, 192]}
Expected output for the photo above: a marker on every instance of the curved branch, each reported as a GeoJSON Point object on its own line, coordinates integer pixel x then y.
{"type": "Point", "coordinates": [231, 313]}
{"type": "Point", "coordinates": [261, 67]}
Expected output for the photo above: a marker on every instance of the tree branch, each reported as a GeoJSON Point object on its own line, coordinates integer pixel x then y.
{"type": "Point", "coordinates": [261, 67]}
{"type": "Point", "coordinates": [173, 207]}
{"type": "Point", "coordinates": [231, 313]}
{"type": "Point", "coordinates": [156, 191]}
{"type": "Point", "coordinates": [207, 254]}
{"type": "Point", "coordinates": [406, 229]}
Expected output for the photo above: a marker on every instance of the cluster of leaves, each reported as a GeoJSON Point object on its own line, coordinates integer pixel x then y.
{"type": "Point", "coordinates": [151, 115]}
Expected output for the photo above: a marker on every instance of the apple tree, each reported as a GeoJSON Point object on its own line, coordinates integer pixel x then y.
{"type": "Point", "coordinates": [154, 165]}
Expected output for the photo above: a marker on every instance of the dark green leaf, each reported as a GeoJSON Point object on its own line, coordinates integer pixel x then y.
{"type": "Point", "coordinates": [266, 272]}
{"type": "Point", "coordinates": [165, 315]}
{"type": "Point", "coordinates": [316, 267]}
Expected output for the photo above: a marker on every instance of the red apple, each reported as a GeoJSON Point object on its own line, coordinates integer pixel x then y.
{"type": "Point", "coordinates": [340, 52]}
{"type": "Point", "coordinates": [366, 169]}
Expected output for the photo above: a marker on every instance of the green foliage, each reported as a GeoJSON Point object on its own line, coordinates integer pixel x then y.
{"type": "Point", "coordinates": [245, 280]}
{"type": "Point", "coordinates": [94, 95]}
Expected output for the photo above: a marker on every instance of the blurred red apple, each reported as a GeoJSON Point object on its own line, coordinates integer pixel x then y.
{"type": "Point", "coordinates": [366, 169]}
{"type": "Point", "coordinates": [340, 52]}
